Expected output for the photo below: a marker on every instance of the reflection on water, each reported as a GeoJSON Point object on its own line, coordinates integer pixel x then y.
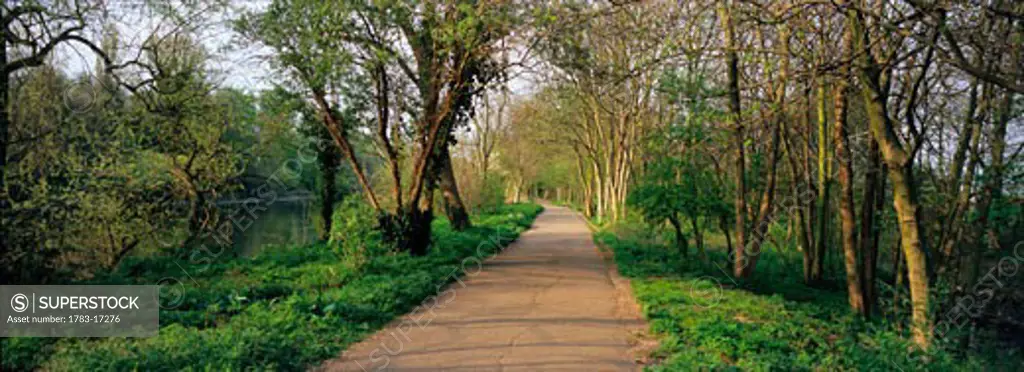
{"type": "Point", "coordinates": [286, 222]}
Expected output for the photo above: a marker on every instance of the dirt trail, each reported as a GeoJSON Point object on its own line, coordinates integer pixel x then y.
{"type": "Point", "coordinates": [547, 303]}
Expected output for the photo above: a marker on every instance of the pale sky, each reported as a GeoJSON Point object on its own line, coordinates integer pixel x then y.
{"type": "Point", "coordinates": [236, 64]}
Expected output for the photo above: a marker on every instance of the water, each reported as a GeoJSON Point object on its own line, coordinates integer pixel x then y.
{"type": "Point", "coordinates": [287, 222]}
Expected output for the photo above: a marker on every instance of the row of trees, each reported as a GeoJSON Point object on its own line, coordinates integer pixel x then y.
{"type": "Point", "coordinates": [95, 164]}
{"type": "Point", "coordinates": [740, 117]}
{"type": "Point", "coordinates": [805, 118]}
{"type": "Point", "coordinates": [378, 88]}
{"type": "Point", "coordinates": [136, 155]}
{"type": "Point", "coordinates": [426, 62]}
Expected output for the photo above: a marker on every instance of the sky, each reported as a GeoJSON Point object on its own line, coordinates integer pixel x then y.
{"type": "Point", "coordinates": [236, 64]}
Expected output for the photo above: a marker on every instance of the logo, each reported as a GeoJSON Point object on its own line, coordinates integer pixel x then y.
{"type": "Point", "coordinates": [19, 302]}
{"type": "Point", "coordinates": [706, 292]}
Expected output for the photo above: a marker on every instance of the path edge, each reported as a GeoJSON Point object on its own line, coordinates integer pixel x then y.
{"type": "Point", "coordinates": [338, 362]}
{"type": "Point", "coordinates": [628, 310]}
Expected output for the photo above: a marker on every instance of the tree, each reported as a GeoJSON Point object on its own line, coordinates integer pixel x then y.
{"type": "Point", "coordinates": [281, 106]}
{"type": "Point", "coordinates": [32, 31]}
{"type": "Point", "coordinates": [679, 186]}
{"type": "Point", "coordinates": [736, 121]}
{"type": "Point", "coordinates": [445, 53]}
{"type": "Point", "coordinates": [900, 170]}
{"type": "Point", "coordinates": [193, 122]}
{"type": "Point", "coordinates": [612, 72]}
{"type": "Point", "coordinates": [856, 278]}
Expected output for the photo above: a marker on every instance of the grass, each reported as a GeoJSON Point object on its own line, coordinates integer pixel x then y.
{"type": "Point", "coordinates": [285, 309]}
{"type": "Point", "coordinates": [706, 321]}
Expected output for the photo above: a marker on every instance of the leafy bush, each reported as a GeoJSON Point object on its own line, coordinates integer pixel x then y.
{"type": "Point", "coordinates": [491, 195]}
{"type": "Point", "coordinates": [355, 234]}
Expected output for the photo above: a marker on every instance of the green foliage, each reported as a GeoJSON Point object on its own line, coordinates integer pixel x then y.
{"type": "Point", "coordinates": [671, 187]}
{"type": "Point", "coordinates": [26, 353]}
{"type": "Point", "coordinates": [105, 172]}
{"type": "Point", "coordinates": [280, 310]}
{"type": "Point", "coordinates": [355, 232]}
{"type": "Point", "coordinates": [680, 181]}
{"type": "Point", "coordinates": [490, 194]}
{"type": "Point", "coordinates": [705, 320]}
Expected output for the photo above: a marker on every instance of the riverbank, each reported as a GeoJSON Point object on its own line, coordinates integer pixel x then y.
{"type": "Point", "coordinates": [284, 309]}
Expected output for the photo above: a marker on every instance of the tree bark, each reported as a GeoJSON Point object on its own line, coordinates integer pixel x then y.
{"type": "Point", "coordinates": [698, 237]}
{"type": "Point", "coordinates": [900, 165]}
{"type": "Point", "coordinates": [948, 234]}
{"type": "Point", "coordinates": [414, 221]}
{"type": "Point", "coordinates": [5, 123]}
{"type": "Point", "coordinates": [335, 129]}
{"type": "Point", "coordinates": [854, 284]}
{"type": "Point", "coordinates": [803, 230]}
{"type": "Point", "coordinates": [681, 244]}
{"type": "Point", "coordinates": [824, 187]}
{"type": "Point", "coordinates": [328, 172]}
{"type": "Point", "coordinates": [739, 136]}
{"type": "Point", "coordinates": [453, 206]}
{"type": "Point", "coordinates": [383, 123]}
{"type": "Point", "coordinates": [195, 219]}
{"type": "Point", "coordinates": [954, 224]}
{"type": "Point", "coordinates": [764, 211]}
{"type": "Point", "coordinates": [874, 191]}
{"type": "Point", "coordinates": [991, 190]}
{"type": "Point", "coordinates": [724, 225]}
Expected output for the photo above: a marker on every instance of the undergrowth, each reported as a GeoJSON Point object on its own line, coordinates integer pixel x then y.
{"type": "Point", "coordinates": [285, 309]}
{"type": "Point", "coordinates": [704, 320]}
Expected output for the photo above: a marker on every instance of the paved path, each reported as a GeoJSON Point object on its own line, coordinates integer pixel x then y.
{"type": "Point", "coordinates": [548, 303]}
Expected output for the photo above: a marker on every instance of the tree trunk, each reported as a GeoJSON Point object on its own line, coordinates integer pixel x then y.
{"type": "Point", "coordinates": [411, 228]}
{"type": "Point", "coordinates": [739, 136]}
{"type": "Point", "coordinates": [415, 234]}
{"type": "Point", "coordinates": [681, 242]}
{"type": "Point", "coordinates": [874, 192]}
{"type": "Point", "coordinates": [948, 233]}
{"type": "Point", "coordinates": [5, 122]}
{"type": "Point", "coordinates": [803, 225]}
{"type": "Point", "coordinates": [383, 122]}
{"type": "Point", "coordinates": [453, 206]}
{"type": "Point", "coordinates": [723, 224]}
{"type": "Point", "coordinates": [997, 144]}
{"type": "Point", "coordinates": [900, 166]}
{"type": "Point", "coordinates": [764, 210]}
{"type": "Point", "coordinates": [329, 170]}
{"type": "Point", "coordinates": [907, 211]}
{"type": "Point", "coordinates": [899, 275]}
{"type": "Point", "coordinates": [990, 192]}
{"type": "Point", "coordinates": [334, 128]}
{"type": "Point", "coordinates": [698, 237]}
{"type": "Point", "coordinates": [329, 162]}
{"type": "Point", "coordinates": [954, 224]}
{"type": "Point", "coordinates": [824, 187]}
{"type": "Point", "coordinates": [195, 219]}
{"type": "Point", "coordinates": [854, 285]}
{"type": "Point", "coordinates": [871, 251]}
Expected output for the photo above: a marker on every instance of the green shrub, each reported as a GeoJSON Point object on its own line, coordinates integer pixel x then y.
{"type": "Point", "coordinates": [25, 353]}
{"type": "Point", "coordinates": [355, 233]}
{"type": "Point", "coordinates": [491, 195]}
